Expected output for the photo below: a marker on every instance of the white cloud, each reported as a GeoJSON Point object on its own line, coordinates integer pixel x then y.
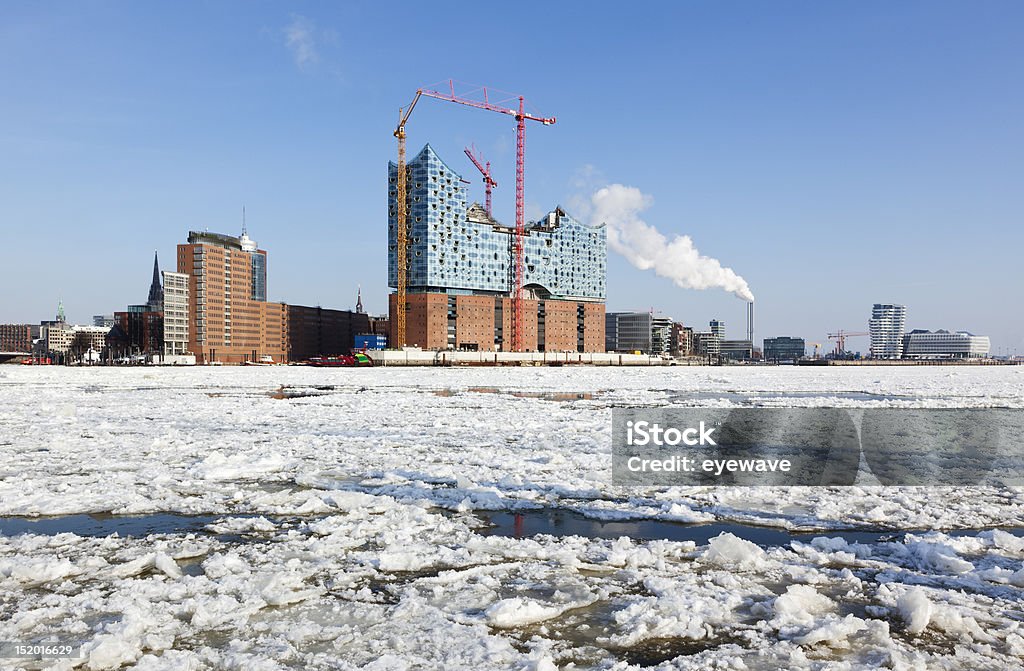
{"type": "Point", "coordinates": [300, 38]}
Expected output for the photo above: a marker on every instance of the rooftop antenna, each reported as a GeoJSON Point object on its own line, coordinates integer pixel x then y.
{"type": "Point", "coordinates": [243, 221]}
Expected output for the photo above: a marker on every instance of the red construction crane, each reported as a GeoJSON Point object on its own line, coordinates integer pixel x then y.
{"type": "Point", "coordinates": [485, 170]}
{"type": "Point", "coordinates": [840, 337]}
{"type": "Point", "coordinates": [480, 101]}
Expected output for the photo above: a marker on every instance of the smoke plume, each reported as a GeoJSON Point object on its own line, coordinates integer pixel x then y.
{"type": "Point", "coordinates": [619, 207]}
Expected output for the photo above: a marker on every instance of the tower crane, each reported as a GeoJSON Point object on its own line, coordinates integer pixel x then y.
{"type": "Point", "coordinates": [485, 170]}
{"type": "Point", "coordinates": [480, 99]}
{"type": "Point", "coordinates": [840, 337]}
{"type": "Point", "coordinates": [402, 228]}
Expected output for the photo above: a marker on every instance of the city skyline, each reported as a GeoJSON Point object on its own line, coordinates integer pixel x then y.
{"type": "Point", "coordinates": [881, 170]}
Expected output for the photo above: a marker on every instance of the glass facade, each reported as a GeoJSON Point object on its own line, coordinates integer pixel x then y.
{"type": "Point", "coordinates": [259, 276]}
{"type": "Point", "coordinates": [784, 348]}
{"type": "Point", "coordinates": [455, 247]}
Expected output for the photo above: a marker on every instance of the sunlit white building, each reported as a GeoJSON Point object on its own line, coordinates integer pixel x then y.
{"type": "Point", "coordinates": [886, 330]}
{"type": "Point", "coordinates": [921, 344]}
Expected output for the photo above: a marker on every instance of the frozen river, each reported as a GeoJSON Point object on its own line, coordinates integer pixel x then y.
{"type": "Point", "coordinates": [287, 517]}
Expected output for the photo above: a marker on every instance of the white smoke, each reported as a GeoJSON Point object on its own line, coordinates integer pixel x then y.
{"type": "Point", "coordinates": [618, 207]}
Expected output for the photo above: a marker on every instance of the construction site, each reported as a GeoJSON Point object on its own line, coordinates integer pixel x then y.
{"type": "Point", "coordinates": [465, 281]}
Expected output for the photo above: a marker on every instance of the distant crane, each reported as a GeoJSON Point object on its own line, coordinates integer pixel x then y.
{"type": "Point", "coordinates": [480, 101]}
{"type": "Point", "coordinates": [840, 337]}
{"type": "Point", "coordinates": [485, 170]}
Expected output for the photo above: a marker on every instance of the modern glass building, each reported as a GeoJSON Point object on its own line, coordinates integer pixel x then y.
{"type": "Point", "coordinates": [456, 248]}
{"type": "Point", "coordinates": [629, 332]}
{"type": "Point", "coordinates": [784, 348]}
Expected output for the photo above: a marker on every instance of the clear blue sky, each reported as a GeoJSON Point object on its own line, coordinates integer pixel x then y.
{"type": "Point", "coordinates": [835, 154]}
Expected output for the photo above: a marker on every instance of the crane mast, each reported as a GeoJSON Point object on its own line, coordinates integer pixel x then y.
{"type": "Point", "coordinates": [402, 229]}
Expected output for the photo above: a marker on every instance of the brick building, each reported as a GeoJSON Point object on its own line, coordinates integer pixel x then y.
{"type": "Point", "coordinates": [316, 331]}
{"type": "Point", "coordinates": [16, 338]}
{"type": "Point", "coordinates": [230, 320]}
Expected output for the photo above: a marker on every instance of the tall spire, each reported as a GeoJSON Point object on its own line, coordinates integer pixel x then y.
{"type": "Point", "coordinates": [359, 300]}
{"type": "Point", "coordinates": [60, 310]}
{"type": "Point", "coordinates": [156, 290]}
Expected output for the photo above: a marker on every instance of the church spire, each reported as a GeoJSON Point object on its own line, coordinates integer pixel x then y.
{"type": "Point", "coordinates": [359, 300]}
{"type": "Point", "coordinates": [156, 290]}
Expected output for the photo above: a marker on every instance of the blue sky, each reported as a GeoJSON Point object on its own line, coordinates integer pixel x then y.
{"type": "Point", "coordinates": [833, 154]}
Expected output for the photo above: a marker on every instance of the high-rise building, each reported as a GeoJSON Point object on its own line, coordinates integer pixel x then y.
{"type": "Point", "coordinates": [230, 320]}
{"type": "Point", "coordinates": [175, 305]}
{"type": "Point", "coordinates": [718, 328]}
{"type": "Point", "coordinates": [460, 270]}
{"type": "Point", "coordinates": [886, 330]}
{"type": "Point", "coordinates": [921, 344]}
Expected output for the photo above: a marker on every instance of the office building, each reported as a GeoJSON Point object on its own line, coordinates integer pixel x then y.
{"type": "Point", "coordinates": [137, 332]}
{"type": "Point", "coordinates": [628, 332]}
{"type": "Point", "coordinates": [921, 344]}
{"type": "Point", "coordinates": [175, 316]}
{"type": "Point", "coordinates": [784, 348]}
{"type": "Point", "coordinates": [886, 330]}
{"type": "Point", "coordinates": [460, 270]}
{"type": "Point", "coordinates": [230, 320]}
{"type": "Point", "coordinates": [740, 350]}
{"type": "Point", "coordinates": [718, 328]}
{"type": "Point", "coordinates": [103, 320]}
{"type": "Point", "coordinates": [707, 344]}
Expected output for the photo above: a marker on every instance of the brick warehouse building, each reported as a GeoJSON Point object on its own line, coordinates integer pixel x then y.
{"type": "Point", "coordinates": [230, 320]}
{"type": "Point", "coordinates": [16, 338]}
{"type": "Point", "coordinates": [316, 331]}
{"type": "Point", "coordinates": [460, 270]}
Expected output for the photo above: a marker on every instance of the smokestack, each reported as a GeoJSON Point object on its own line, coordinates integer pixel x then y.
{"type": "Point", "coordinates": [750, 323]}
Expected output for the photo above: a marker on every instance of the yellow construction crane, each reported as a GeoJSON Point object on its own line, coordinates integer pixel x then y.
{"type": "Point", "coordinates": [402, 228]}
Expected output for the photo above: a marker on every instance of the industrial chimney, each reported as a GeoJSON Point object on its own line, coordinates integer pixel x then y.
{"type": "Point", "coordinates": [750, 323]}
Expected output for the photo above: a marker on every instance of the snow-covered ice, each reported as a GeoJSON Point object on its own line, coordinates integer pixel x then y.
{"type": "Point", "coordinates": [346, 535]}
